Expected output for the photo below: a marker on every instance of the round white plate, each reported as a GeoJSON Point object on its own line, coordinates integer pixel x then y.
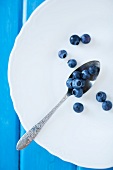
{"type": "Point", "coordinates": [37, 79]}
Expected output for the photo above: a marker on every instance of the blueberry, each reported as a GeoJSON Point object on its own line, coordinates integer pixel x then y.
{"type": "Point", "coordinates": [83, 83]}
{"type": "Point", "coordinates": [101, 96]}
{"type": "Point", "coordinates": [85, 74]}
{"type": "Point", "coordinates": [74, 39]}
{"type": "Point", "coordinates": [77, 83]}
{"type": "Point", "coordinates": [76, 74]}
{"type": "Point", "coordinates": [72, 63]}
{"type": "Point", "coordinates": [77, 92]}
{"type": "Point", "coordinates": [69, 83]}
{"type": "Point", "coordinates": [85, 38]}
{"type": "Point", "coordinates": [78, 107]}
{"type": "Point", "coordinates": [62, 54]}
{"type": "Point", "coordinates": [107, 105]}
{"type": "Point", "coordinates": [93, 70]}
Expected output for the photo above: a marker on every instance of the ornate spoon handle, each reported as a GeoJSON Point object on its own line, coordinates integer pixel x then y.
{"type": "Point", "coordinates": [27, 138]}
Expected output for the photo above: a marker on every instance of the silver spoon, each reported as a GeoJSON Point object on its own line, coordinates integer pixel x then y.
{"type": "Point", "coordinates": [27, 138]}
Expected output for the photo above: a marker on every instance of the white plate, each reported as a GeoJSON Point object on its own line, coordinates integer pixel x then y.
{"type": "Point", "coordinates": [37, 79]}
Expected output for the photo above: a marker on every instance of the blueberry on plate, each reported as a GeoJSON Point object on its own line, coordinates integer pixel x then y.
{"type": "Point", "coordinates": [76, 74]}
{"type": "Point", "coordinates": [69, 83]}
{"type": "Point", "coordinates": [62, 54]}
{"type": "Point", "coordinates": [101, 96]}
{"type": "Point", "coordinates": [72, 63]}
{"type": "Point", "coordinates": [93, 70]}
{"type": "Point", "coordinates": [85, 74]}
{"type": "Point", "coordinates": [77, 92]}
{"type": "Point", "coordinates": [74, 39]}
{"type": "Point", "coordinates": [77, 83]}
{"type": "Point", "coordinates": [107, 105]}
{"type": "Point", "coordinates": [78, 107]}
{"type": "Point", "coordinates": [85, 38]}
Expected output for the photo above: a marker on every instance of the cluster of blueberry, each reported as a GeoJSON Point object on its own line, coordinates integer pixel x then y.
{"type": "Point", "coordinates": [106, 104]}
{"type": "Point", "coordinates": [63, 54]}
{"type": "Point", "coordinates": [77, 81]}
{"type": "Point", "coordinates": [74, 40]}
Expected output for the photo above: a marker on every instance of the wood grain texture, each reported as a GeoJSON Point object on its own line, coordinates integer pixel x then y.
{"type": "Point", "coordinates": [32, 5]}
{"type": "Point", "coordinates": [34, 157]}
{"type": "Point", "coordinates": [81, 168]}
{"type": "Point", "coordinates": [37, 158]}
{"type": "Point", "coordinates": [10, 24]}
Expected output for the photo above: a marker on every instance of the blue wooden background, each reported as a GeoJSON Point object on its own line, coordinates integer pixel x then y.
{"type": "Point", "coordinates": [13, 14]}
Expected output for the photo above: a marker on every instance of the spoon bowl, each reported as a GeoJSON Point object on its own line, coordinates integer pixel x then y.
{"type": "Point", "coordinates": [89, 82]}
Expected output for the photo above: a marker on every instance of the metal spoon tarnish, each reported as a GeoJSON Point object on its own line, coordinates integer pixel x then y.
{"type": "Point", "coordinates": [27, 138]}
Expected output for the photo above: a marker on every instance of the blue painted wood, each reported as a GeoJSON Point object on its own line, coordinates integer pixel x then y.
{"type": "Point", "coordinates": [34, 156]}
{"type": "Point", "coordinates": [37, 158]}
{"type": "Point", "coordinates": [31, 6]}
{"type": "Point", "coordinates": [81, 168]}
{"type": "Point", "coordinates": [10, 24]}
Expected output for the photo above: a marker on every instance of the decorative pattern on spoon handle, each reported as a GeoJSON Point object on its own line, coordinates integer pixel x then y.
{"type": "Point", "coordinates": [27, 138]}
